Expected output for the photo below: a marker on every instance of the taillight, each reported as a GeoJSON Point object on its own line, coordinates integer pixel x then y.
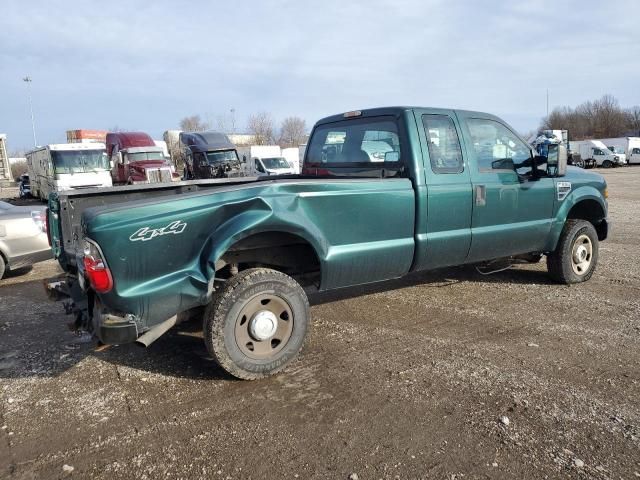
{"type": "Point", "coordinates": [96, 269]}
{"type": "Point", "coordinates": [40, 219]}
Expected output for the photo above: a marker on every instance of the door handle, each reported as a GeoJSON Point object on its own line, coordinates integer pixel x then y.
{"type": "Point", "coordinates": [480, 195]}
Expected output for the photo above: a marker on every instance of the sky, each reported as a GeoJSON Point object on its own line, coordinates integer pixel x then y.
{"type": "Point", "coordinates": [144, 65]}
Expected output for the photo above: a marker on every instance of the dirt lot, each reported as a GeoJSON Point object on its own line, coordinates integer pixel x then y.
{"type": "Point", "coordinates": [406, 383]}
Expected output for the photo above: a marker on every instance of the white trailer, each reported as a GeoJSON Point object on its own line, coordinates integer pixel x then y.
{"type": "Point", "coordinates": [68, 166]}
{"type": "Point", "coordinates": [5, 169]}
{"type": "Point", "coordinates": [595, 150]}
{"type": "Point", "coordinates": [630, 146]}
{"type": "Point", "coordinates": [267, 160]}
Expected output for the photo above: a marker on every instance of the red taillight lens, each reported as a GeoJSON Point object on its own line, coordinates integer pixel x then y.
{"type": "Point", "coordinates": [40, 219]}
{"type": "Point", "coordinates": [96, 270]}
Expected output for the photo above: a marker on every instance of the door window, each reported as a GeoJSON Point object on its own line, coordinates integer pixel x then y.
{"type": "Point", "coordinates": [498, 148]}
{"type": "Point", "coordinates": [445, 153]}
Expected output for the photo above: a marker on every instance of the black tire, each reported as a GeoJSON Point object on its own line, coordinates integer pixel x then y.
{"type": "Point", "coordinates": [225, 321]}
{"type": "Point", "coordinates": [3, 267]}
{"type": "Point", "coordinates": [562, 264]}
{"type": "Point", "coordinates": [579, 163]}
{"type": "Point", "coordinates": [607, 164]}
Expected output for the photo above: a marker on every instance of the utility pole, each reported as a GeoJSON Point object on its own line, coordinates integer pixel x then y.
{"type": "Point", "coordinates": [233, 121]}
{"type": "Point", "coordinates": [547, 103]}
{"type": "Point", "coordinates": [28, 81]}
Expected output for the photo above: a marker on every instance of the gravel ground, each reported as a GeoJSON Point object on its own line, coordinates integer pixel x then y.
{"type": "Point", "coordinates": [444, 375]}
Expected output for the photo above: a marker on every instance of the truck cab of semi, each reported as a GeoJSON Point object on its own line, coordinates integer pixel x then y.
{"type": "Point", "coordinates": [209, 155]}
{"type": "Point", "coordinates": [67, 166]}
{"type": "Point", "coordinates": [135, 159]}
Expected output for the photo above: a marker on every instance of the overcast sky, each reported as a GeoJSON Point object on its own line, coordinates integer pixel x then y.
{"type": "Point", "coordinates": [145, 65]}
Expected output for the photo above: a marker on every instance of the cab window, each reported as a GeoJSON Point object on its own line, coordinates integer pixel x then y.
{"type": "Point", "coordinates": [362, 141]}
{"type": "Point", "coordinates": [498, 148]}
{"type": "Point", "coordinates": [443, 143]}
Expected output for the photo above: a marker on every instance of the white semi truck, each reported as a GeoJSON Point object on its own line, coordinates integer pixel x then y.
{"type": "Point", "coordinates": [68, 166]}
{"type": "Point", "coordinates": [595, 150]}
{"type": "Point", "coordinates": [629, 145]}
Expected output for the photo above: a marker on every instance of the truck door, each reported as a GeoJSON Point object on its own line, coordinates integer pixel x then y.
{"type": "Point", "coordinates": [512, 203]}
{"type": "Point", "coordinates": [448, 195]}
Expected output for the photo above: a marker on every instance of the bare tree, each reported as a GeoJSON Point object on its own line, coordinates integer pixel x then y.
{"type": "Point", "coordinates": [592, 119]}
{"type": "Point", "coordinates": [262, 127]}
{"type": "Point", "coordinates": [633, 120]}
{"type": "Point", "coordinates": [193, 124]}
{"type": "Point", "coordinates": [292, 132]}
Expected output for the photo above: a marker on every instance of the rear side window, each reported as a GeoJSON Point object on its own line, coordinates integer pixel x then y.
{"type": "Point", "coordinates": [357, 142]}
{"type": "Point", "coordinates": [445, 153]}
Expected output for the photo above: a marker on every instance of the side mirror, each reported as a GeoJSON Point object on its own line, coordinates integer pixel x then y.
{"type": "Point", "coordinates": [244, 159]}
{"type": "Point", "coordinates": [120, 158]}
{"type": "Point", "coordinates": [392, 156]}
{"type": "Point", "coordinates": [503, 164]}
{"type": "Point", "coordinates": [557, 159]}
{"type": "Point", "coordinates": [111, 164]}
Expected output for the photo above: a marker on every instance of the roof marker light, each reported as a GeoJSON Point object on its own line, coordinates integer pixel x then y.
{"type": "Point", "coordinates": [354, 113]}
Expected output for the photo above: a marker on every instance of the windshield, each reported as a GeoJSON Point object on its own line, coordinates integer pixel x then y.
{"type": "Point", "coordinates": [222, 157]}
{"type": "Point", "coordinates": [615, 149]}
{"type": "Point", "coordinates": [141, 156]}
{"type": "Point", "coordinates": [79, 161]}
{"type": "Point", "coordinates": [275, 163]}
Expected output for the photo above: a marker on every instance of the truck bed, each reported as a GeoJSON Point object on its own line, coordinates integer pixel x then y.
{"type": "Point", "coordinates": [66, 208]}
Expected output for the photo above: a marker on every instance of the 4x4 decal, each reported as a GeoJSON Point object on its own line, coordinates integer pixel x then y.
{"type": "Point", "coordinates": [147, 233]}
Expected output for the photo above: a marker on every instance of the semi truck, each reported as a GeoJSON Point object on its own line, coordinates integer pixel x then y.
{"type": "Point", "coordinates": [630, 146]}
{"type": "Point", "coordinates": [209, 155]}
{"type": "Point", "coordinates": [135, 158]}
{"type": "Point", "coordinates": [595, 151]}
{"type": "Point", "coordinates": [241, 254]}
{"type": "Point", "coordinates": [68, 166]}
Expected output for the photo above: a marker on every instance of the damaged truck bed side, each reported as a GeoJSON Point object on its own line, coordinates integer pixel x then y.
{"type": "Point", "coordinates": [384, 192]}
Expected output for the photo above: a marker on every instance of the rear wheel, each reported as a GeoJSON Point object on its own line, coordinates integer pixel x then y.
{"type": "Point", "coordinates": [3, 267]}
{"type": "Point", "coordinates": [576, 255]}
{"type": "Point", "coordinates": [579, 163]}
{"type": "Point", "coordinates": [258, 324]}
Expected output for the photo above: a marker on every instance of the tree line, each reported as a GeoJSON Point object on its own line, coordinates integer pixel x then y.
{"type": "Point", "coordinates": [602, 118]}
{"type": "Point", "coordinates": [261, 127]}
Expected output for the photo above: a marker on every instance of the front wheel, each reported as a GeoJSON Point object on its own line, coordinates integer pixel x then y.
{"type": "Point", "coordinates": [607, 164]}
{"type": "Point", "coordinates": [576, 254]}
{"type": "Point", "coordinates": [257, 325]}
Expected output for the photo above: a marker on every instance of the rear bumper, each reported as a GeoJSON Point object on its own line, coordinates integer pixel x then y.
{"type": "Point", "coordinates": [112, 329]}
{"type": "Point", "coordinates": [117, 334]}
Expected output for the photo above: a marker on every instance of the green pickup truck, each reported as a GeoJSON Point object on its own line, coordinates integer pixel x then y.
{"type": "Point", "coordinates": [383, 192]}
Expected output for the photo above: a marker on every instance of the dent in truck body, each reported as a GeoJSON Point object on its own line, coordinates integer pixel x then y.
{"type": "Point", "coordinates": [153, 280]}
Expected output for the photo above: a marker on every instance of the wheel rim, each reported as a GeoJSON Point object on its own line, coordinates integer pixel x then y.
{"type": "Point", "coordinates": [581, 255]}
{"type": "Point", "coordinates": [264, 326]}
{"type": "Point", "coordinates": [580, 163]}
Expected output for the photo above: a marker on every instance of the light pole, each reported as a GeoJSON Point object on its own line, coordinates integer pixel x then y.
{"type": "Point", "coordinates": [28, 81]}
{"type": "Point", "coordinates": [233, 121]}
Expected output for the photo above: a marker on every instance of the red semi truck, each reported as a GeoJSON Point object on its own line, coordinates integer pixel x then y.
{"type": "Point", "coordinates": [136, 159]}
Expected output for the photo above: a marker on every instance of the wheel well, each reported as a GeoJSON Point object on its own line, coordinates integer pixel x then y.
{"type": "Point", "coordinates": [282, 251]}
{"type": "Point", "coordinates": [591, 211]}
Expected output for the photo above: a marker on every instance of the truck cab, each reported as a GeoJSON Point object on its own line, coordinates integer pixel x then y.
{"type": "Point", "coordinates": [209, 155]}
{"type": "Point", "coordinates": [136, 159]}
{"type": "Point", "coordinates": [618, 152]}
